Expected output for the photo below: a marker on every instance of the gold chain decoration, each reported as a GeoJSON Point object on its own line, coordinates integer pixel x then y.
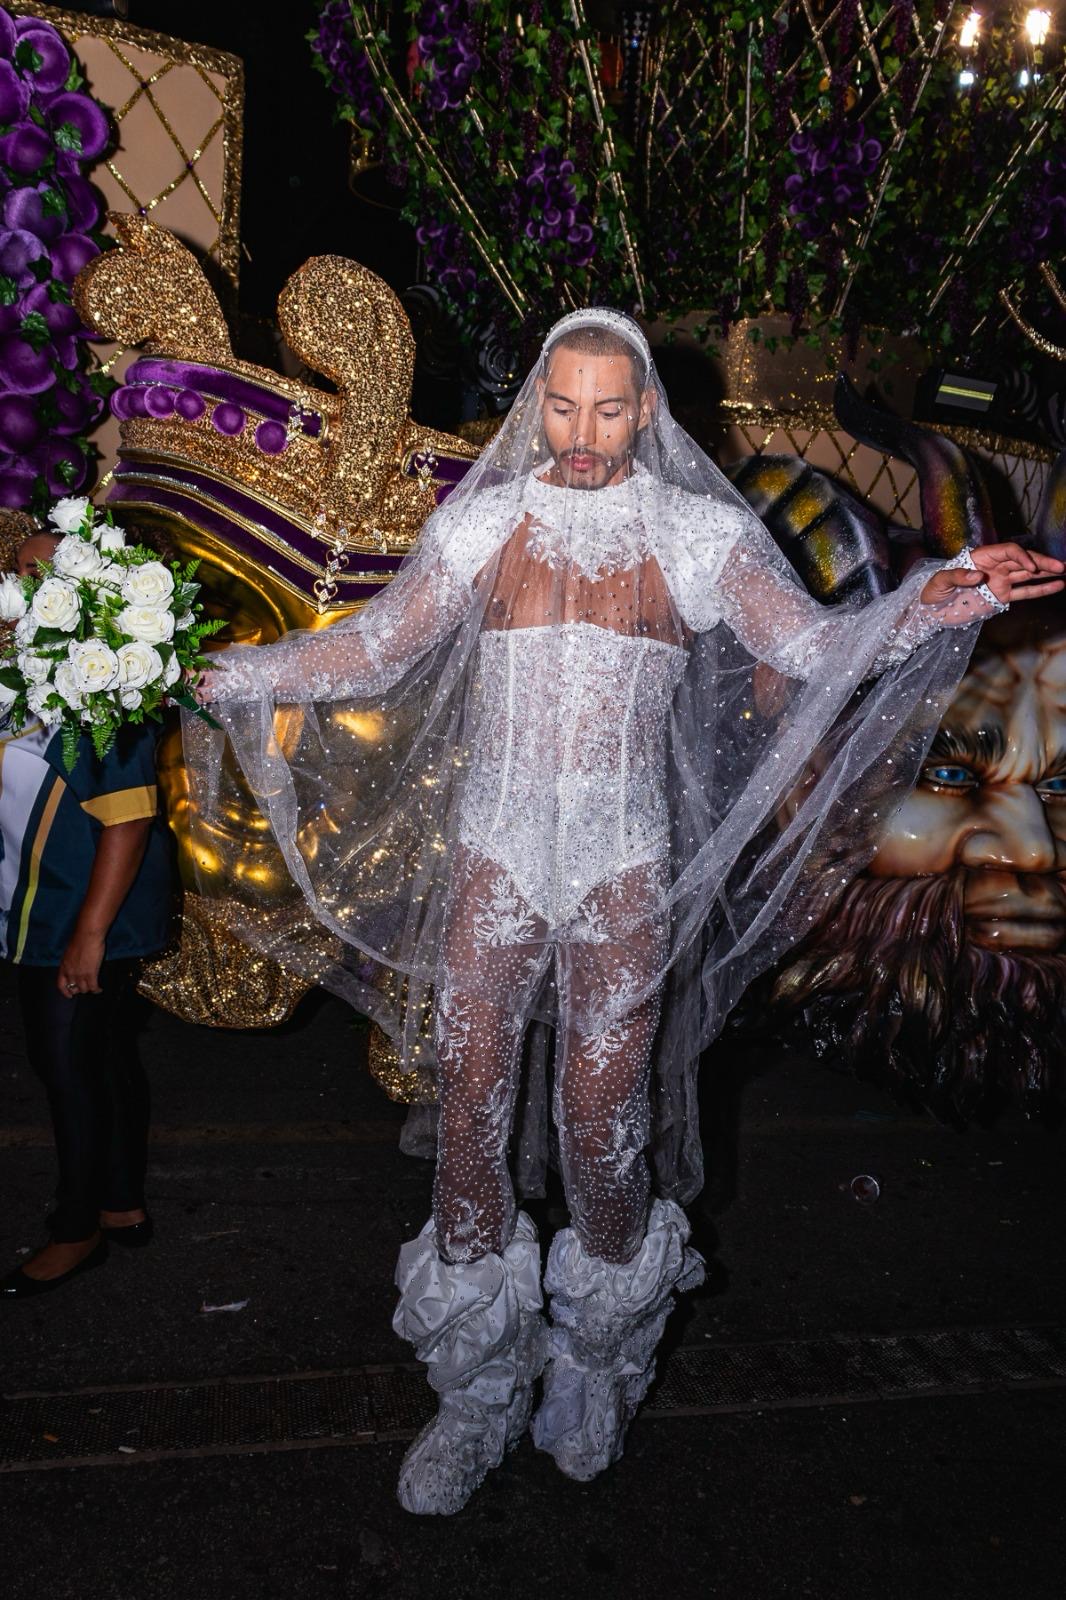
{"type": "Point", "coordinates": [188, 168]}
{"type": "Point", "coordinates": [325, 587]}
{"type": "Point", "coordinates": [1040, 340]}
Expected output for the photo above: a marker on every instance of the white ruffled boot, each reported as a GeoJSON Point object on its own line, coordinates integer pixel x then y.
{"type": "Point", "coordinates": [478, 1328]}
{"type": "Point", "coordinates": [607, 1322]}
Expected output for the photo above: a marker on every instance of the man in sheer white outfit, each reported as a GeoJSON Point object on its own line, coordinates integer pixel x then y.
{"type": "Point", "coordinates": [593, 550]}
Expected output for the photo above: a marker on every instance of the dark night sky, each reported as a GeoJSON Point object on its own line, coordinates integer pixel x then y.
{"type": "Point", "coordinates": [295, 199]}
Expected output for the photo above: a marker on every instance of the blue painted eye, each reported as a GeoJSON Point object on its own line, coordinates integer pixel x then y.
{"type": "Point", "coordinates": [1054, 788]}
{"type": "Point", "coordinates": [948, 776]}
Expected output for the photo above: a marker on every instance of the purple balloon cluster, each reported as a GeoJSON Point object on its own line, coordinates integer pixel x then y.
{"type": "Point", "coordinates": [345, 65]}
{"type": "Point", "coordinates": [832, 184]}
{"type": "Point", "coordinates": [549, 211]}
{"type": "Point", "coordinates": [49, 209]}
{"type": "Point", "coordinates": [447, 46]}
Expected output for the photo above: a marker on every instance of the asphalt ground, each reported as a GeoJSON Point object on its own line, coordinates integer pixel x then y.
{"type": "Point", "coordinates": [275, 1179]}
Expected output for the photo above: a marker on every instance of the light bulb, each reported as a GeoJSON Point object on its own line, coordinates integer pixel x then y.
{"type": "Point", "coordinates": [970, 29]}
{"type": "Point", "coordinates": [1037, 25]}
{"type": "Point", "coordinates": [966, 79]}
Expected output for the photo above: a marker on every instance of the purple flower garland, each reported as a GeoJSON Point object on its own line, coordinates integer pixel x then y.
{"type": "Point", "coordinates": [49, 132]}
{"type": "Point", "coordinates": [548, 210]}
{"type": "Point", "coordinates": [448, 50]}
{"type": "Point", "coordinates": [446, 261]}
{"type": "Point", "coordinates": [344, 67]}
{"type": "Point", "coordinates": [1039, 233]}
{"type": "Point", "coordinates": [832, 184]}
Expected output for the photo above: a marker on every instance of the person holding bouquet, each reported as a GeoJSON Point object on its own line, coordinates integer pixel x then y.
{"type": "Point", "coordinates": [85, 866]}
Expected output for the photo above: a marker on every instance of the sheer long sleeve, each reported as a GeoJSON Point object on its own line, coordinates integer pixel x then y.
{"type": "Point", "coordinates": [366, 654]}
{"type": "Point", "coordinates": [356, 658]}
{"type": "Point", "coordinates": [751, 587]}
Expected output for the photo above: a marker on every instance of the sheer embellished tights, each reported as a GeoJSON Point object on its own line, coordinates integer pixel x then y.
{"type": "Point", "coordinates": [496, 954]}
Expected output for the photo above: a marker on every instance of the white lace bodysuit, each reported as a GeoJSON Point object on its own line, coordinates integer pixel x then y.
{"type": "Point", "coordinates": [565, 786]}
{"type": "Point", "coordinates": [585, 605]}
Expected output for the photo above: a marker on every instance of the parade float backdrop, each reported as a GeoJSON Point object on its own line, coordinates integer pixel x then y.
{"type": "Point", "coordinates": [858, 172]}
{"type": "Point", "coordinates": [780, 193]}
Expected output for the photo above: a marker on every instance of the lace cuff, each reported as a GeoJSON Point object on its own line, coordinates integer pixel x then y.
{"type": "Point", "coordinates": [924, 621]}
{"type": "Point", "coordinates": [965, 560]}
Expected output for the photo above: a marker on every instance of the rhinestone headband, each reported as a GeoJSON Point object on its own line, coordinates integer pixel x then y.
{"type": "Point", "coordinates": [602, 317]}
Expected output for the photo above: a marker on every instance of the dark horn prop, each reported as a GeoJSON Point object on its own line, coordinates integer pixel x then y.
{"type": "Point", "coordinates": [956, 510]}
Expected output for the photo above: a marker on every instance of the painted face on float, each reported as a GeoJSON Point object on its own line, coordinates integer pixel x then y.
{"type": "Point", "coordinates": [592, 409]}
{"type": "Point", "coordinates": [991, 800]}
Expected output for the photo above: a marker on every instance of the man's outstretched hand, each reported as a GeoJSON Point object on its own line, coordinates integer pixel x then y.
{"type": "Point", "coordinates": [1011, 573]}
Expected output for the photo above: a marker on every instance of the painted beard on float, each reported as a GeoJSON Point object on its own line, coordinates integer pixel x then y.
{"type": "Point", "coordinates": [894, 989]}
{"type": "Point", "coordinates": [941, 971]}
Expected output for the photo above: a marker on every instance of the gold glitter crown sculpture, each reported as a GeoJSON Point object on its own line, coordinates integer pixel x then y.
{"type": "Point", "coordinates": [327, 491]}
{"type": "Point", "coordinates": [299, 503]}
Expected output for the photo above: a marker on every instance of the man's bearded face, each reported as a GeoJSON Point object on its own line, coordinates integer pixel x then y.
{"type": "Point", "coordinates": [943, 969]}
{"type": "Point", "coordinates": [591, 413]}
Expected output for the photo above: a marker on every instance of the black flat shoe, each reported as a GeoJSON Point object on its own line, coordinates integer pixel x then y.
{"type": "Point", "coordinates": [19, 1286]}
{"type": "Point", "coordinates": [133, 1236]}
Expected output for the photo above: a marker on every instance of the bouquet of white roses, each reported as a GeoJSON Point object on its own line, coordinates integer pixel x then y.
{"type": "Point", "coordinates": [107, 634]}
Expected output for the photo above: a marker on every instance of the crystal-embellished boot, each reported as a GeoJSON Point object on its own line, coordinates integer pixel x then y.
{"type": "Point", "coordinates": [607, 1321]}
{"type": "Point", "coordinates": [478, 1328]}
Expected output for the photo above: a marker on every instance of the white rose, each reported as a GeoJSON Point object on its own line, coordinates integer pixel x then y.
{"type": "Point", "coordinates": [7, 697]}
{"type": "Point", "coordinates": [13, 603]}
{"type": "Point", "coordinates": [95, 665]}
{"type": "Point", "coordinates": [109, 576]}
{"type": "Point", "coordinates": [76, 557]}
{"type": "Point", "coordinates": [147, 623]}
{"type": "Point", "coordinates": [148, 585]}
{"type": "Point", "coordinates": [69, 514]}
{"type": "Point", "coordinates": [66, 682]}
{"type": "Point", "coordinates": [131, 698]}
{"type": "Point", "coordinates": [34, 668]}
{"type": "Point", "coordinates": [26, 631]}
{"type": "Point", "coordinates": [36, 702]}
{"type": "Point", "coordinates": [171, 672]}
{"type": "Point", "coordinates": [138, 664]}
{"type": "Point", "coordinates": [56, 605]}
{"type": "Point", "coordinates": [112, 539]}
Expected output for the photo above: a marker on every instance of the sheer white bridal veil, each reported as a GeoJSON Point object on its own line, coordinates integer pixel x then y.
{"type": "Point", "coordinates": [593, 758]}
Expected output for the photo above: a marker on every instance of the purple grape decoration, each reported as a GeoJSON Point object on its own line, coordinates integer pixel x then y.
{"type": "Point", "coordinates": [49, 214]}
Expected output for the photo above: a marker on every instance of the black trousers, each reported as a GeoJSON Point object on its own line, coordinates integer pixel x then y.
{"type": "Point", "coordinates": [83, 1049]}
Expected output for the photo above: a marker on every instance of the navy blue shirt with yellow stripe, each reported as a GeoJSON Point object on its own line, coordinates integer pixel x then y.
{"type": "Point", "coordinates": [50, 821]}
